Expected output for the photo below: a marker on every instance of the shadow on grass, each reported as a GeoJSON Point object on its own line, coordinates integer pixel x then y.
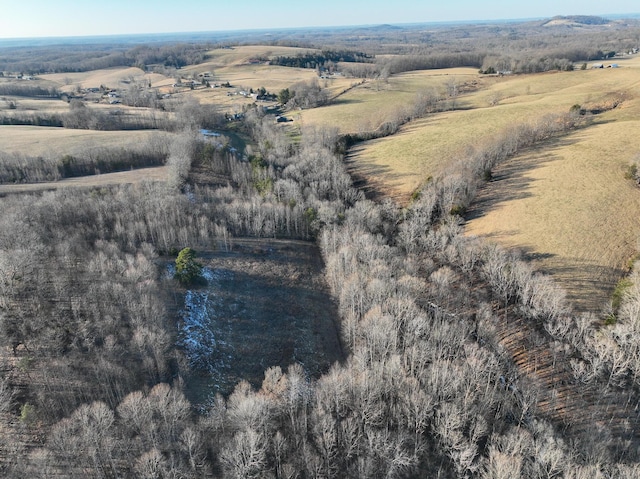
{"type": "Point", "coordinates": [372, 179]}
{"type": "Point", "coordinates": [589, 285]}
{"type": "Point", "coordinates": [511, 180]}
{"type": "Point", "coordinates": [344, 101]}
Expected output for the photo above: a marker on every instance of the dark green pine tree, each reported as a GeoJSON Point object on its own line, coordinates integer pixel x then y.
{"type": "Point", "coordinates": [188, 270]}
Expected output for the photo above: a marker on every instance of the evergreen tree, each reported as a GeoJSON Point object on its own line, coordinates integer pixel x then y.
{"type": "Point", "coordinates": [188, 270]}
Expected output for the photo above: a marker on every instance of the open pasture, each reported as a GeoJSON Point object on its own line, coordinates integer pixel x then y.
{"type": "Point", "coordinates": [367, 105]}
{"type": "Point", "coordinates": [157, 173]}
{"type": "Point", "coordinates": [247, 67]}
{"type": "Point", "coordinates": [117, 77]}
{"type": "Point", "coordinates": [16, 104]}
{"type": "Point", "coordinates": [246, 77]}
{"type": "Point", "coordinates": [52, 142]}
{"type": "Point", "coordinates": [425, 147]}
{"type": "Point", "coordinates": [243, 54]}
{"type": "Point", "coordinates": [566, 203]}
{"type": "Point", "coordinates": [568, 207]}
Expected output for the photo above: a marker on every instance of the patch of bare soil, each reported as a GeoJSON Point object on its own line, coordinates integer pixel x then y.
{"type": "Point", "coordinates": [266, 304]}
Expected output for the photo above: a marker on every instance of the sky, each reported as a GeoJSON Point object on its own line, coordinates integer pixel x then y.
{"type": "Point", "coordinates": [51, 18]}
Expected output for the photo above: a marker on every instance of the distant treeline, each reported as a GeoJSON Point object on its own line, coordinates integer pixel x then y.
{"type": "Point", "coordinates": [433, 61]}
{"type": "Point", "coordinates": [313, 60]}
{"type": "Point", "coordinates": [17, 89]}
{"type": "Point", "coordinates": [76, 58]}
{"type": "Point", "coordinates": [485, 62]}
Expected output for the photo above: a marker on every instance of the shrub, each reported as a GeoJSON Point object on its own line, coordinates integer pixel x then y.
{"type": "Point", "coordinates": [632, 172]}
{"type": "Point", "coordinates": [458, 210]}
{"type": "Point", "coordinates": [576, 109]}
{"type": "Point", "coordinates": [618, 293]}
{"type": "Point", "coordinates": [27, 413]}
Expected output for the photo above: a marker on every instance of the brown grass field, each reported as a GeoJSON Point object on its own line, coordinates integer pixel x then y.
{"type": "Point", "coordinates": [32, 105]}
{"type": "Point", "coordinates": [110, 77]}
{"type": "Point", "coordinates": [239, 67]}
{"type": "Point", "coordinates": [566, 204]}
{"type": "Point", "coordinates": [370, 104]}
{"type": "Point", "coordinates": [49, 141]}
{"type": "Point", "coordinates": [424, 147]}
{"type": "Point", "coordinates": [243, 54]}
{"type": "Point", "coordinates": [569, 207]}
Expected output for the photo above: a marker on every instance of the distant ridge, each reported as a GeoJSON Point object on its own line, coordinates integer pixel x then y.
{"type": "Point", "coordinates": [576, 20]}
{"type": "Point", "coordinates": [259, 35]}
{"type": "Point", "coordinates": [383, 27]}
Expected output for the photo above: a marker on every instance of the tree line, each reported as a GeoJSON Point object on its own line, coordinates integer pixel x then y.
{"type": "Point", "coordinates": [26, 90]}
{"type": "Point", "coordinates": [79, 58]}
{"type": "Point", "coordinates": [17, 168]}
{"type": "Point", "coordinates": [322, 60]}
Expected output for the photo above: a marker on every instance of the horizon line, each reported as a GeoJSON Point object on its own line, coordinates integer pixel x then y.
{"type": "Point", "coordinates": [266, 30]}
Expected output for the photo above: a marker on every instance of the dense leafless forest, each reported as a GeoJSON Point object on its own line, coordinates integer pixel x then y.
{"type": "Point", "coordinates": [433, 325]}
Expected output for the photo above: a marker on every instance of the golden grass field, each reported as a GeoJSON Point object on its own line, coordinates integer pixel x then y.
{"type": "Point", "coordinates": [238, 67]}
{"type": "Point", "coordinates": [110, 77]}
{"type": "Point", "coordinates": [52, 142]}
{"type": "Point", "coordinates": [425, 147]}
{"type": "Point", "coordinates": [367, 106]}
{"type": "Point", "coordinates": [243, 54]}
{"type": "Point", "coordinates": [566, 203]}
{"type": "Point", "coordinates": [569, 206]}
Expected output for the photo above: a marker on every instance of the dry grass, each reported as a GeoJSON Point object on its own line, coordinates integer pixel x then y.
{"type": "Point", "coordinates": [45, 141]}
{"type": "Point", "coordinates": [569, 206]}
{"type": "Point", "coordinates": [566, 203]}
{"type": "Point", "coordinates": [241, 55]}
{"type": "Point", "coordinates": [240, 68]}
{"type": "Point", "coordinates": [110, 77]}
{"type": "Point", "coordinates": [245, 77]}
{"type": "Point", "coordinates": [424, 148]}
{"type": "Point", "coordinates": [25, 104]}
{"type": "Point", "coordinates": [366, 106]}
